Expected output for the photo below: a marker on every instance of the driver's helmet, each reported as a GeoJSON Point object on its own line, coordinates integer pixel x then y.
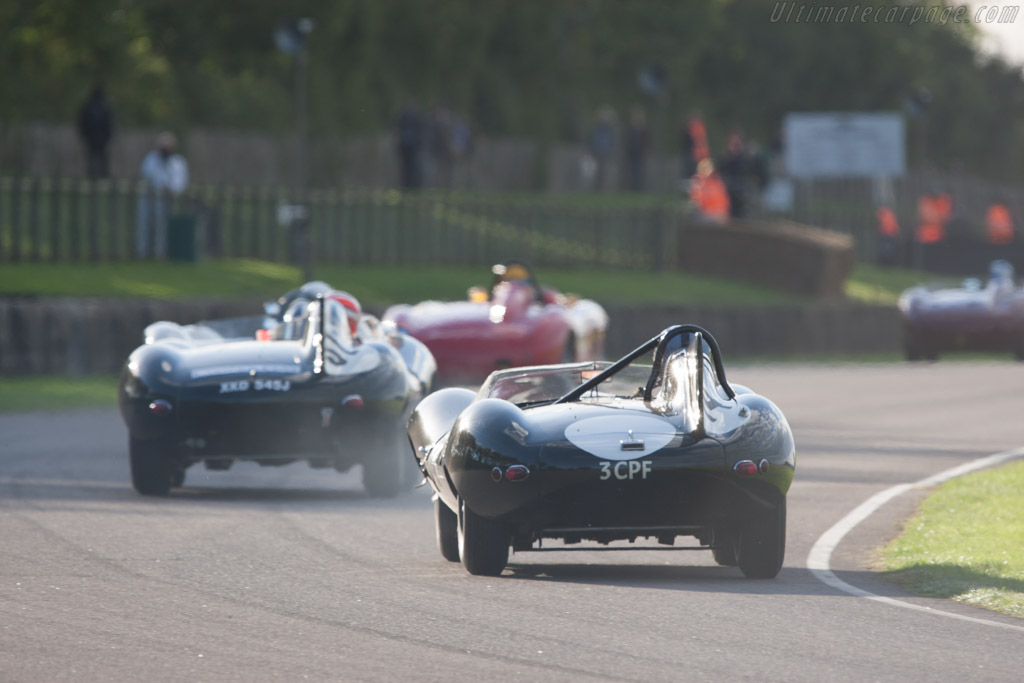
{"type": "Point", "coordinates": [1001, 272]}
{"type": "Point", "coordinates": [351, 304]}
{"type": "Point", "coordinates": [510, 272]}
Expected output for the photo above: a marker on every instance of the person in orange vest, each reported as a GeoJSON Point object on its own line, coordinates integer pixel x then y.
{"type": "Point", "coordinates": [888, 235]}
{"type": "Point", "coordinates": [708, 193]}
{"type": "Point", "coordinates": [998, 224]}
{"type": "Point", "coordinates": [933, 213]}
{"type": "Point", "coordinates": [694, 143]}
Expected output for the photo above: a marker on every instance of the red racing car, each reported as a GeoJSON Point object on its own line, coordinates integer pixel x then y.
{"type": "Point", "coordinates": [514, 323]}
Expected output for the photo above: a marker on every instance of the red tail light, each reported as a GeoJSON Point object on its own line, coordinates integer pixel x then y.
{"type": "Point", "coordinates": [160, 407]}
{"type": "Point", "coordinates": [496, 474]}
{"type": "Point", "coordinates": [352, 401]}
{"type": "Point", "coordinates": [517, 472]}
{"type": "Point", "coordinates": [747, 468]}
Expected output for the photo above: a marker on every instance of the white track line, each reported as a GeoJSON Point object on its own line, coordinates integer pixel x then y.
{"type": "Point", "coordinates": [821, 554]}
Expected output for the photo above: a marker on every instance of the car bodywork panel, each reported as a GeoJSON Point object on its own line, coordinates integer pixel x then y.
{"type": "Point", "coordinates": [605, 466]}
{"type": "Point", "coordinates": [319, 394]}
{"type": "Point", "coordinates": [517, 323]}
{"type": "Point", "coordinates": [972, 317]}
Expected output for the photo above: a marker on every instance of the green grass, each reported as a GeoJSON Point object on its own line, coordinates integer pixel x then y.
{"type": "Point", "coordinates": [882, 285]}
{"type": "Point", "coordinates": [965, 542]}
{"type": "Point", "coordinates": [161, 280]}
{"type": "Point", "coordinates": [23, 394]}
{"type": "Point", "coordinates": [382, 285]}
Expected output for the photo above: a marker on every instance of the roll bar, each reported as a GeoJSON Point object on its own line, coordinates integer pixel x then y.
{"type": "Point", "coordinates": [654, 343]}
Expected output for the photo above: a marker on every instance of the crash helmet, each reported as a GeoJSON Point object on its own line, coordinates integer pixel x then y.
{"type": "Point", "coordinates": [1001, 271]}
{"type": "Point", "coordinates": [351, 305]}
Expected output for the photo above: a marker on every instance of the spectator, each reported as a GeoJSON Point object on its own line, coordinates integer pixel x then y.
{"type": "Point", "coordinates": [693, 143]}
{"type": "Point", "coordinates": [437, 146]}
{"type": "Point", "coordinates": [409, 134]}
{"type": "Point", "coordinates": [888, 235]}
{"type": "Point", "coordinates": [934, 211]}
{"type": "Point", "coordinates": [708, 193]}
{"type": "Point", "coordinates": [602, 145]}
{"type": "Point", "coordinates": [164, 174]}
{"type": "Point", "coordinates": [998, 224]}
{"type": "Point", "coordinates": [461, 145]}
{"type": "Point", "coordinates": [637, 144]}
{"type": "Point", "coordinates": [735, 169]}
{"type": "Point", "coordinates": [96, 127]}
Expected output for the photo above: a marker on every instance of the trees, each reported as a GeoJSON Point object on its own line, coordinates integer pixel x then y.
{"type": "Point", "coordinates": [516, 67]}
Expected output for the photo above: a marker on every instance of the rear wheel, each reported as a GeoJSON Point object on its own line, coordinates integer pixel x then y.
{"type": "Point", "coordinates": [178, 477]}
{"type": "Point", "coordinates": [446, 525]}
{"type": "Point", "coordinates": [724, 550]}
{"type": "Point", "coordinates": [152, 466]}
{"type": "Point", "coordinates": [483, 544]}
{"type": "Point", "coordinates": [761, 545]}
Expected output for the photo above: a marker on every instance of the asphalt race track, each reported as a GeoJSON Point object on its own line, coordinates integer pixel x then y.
{"type": "Point", "coordinates": [293, 574]}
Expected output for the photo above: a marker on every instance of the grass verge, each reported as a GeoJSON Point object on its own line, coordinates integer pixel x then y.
{"type": "Point", "coordinates": [25, 394]}
{"type": "Point", "coordinates": [383, 285]}
{"type": "Point", "coordinates": [964, 543]}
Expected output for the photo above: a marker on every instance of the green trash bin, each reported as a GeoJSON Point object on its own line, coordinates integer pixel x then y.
{"type": "Point", "coordinates": [181, 237]}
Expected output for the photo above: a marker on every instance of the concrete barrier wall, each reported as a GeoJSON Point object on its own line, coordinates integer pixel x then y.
{"type": "Point", "coordinates": [87, 336]}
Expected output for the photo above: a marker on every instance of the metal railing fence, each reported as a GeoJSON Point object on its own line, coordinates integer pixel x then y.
{"type": "Point", "coordinates": [70, 220]}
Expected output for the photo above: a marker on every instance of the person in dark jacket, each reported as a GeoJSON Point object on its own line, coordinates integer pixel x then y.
{"type": "Point", "coordinates": [734, 167]}
{"type": "Point", "coordinates": [410, 134]}
{"type": "Point", "coordinates": [96, 126]}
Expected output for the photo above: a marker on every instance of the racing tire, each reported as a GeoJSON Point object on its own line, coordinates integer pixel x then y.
{"type": "Point", "coordinates": [382, 473]}
{"type": "Point", "coordinates": [761, 546]}
{"type": "Point", "coordinates": [152, 466]}
{"type": "Point", "coordinates": [178, 477]}
{"type": "Point", "coordinates": [446, 525]}
{"type": "Point", "coordinates": [725, 548]}
{"type": "Point", "coordinates": [483, 544]}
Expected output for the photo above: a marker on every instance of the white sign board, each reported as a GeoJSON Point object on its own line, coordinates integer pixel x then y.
{"type": "Point", "coordinates": [844, 145]}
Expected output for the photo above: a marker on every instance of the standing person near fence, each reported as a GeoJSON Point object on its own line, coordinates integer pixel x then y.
{"type": "Point", "coordinates": [164, 174]}
{"type": "Point", "coordinates": [637, 145]}
{"type": "Point", "coordinates": [888, 235]}
{"type": "Point", "coordinates": [693, 144]}
{"type": "Point", "coordinates": [409, 135]}
{"type": "Point", "coordinates": [735, 169]}
{"type": "Point", "coordinates": [998, 223]}
{"type": "Point", "coordinates": [602, 146]}
{"type": "Point", "coordinates": [96, 128]}
{"type": "Point", "coordinates": [934, 211]}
